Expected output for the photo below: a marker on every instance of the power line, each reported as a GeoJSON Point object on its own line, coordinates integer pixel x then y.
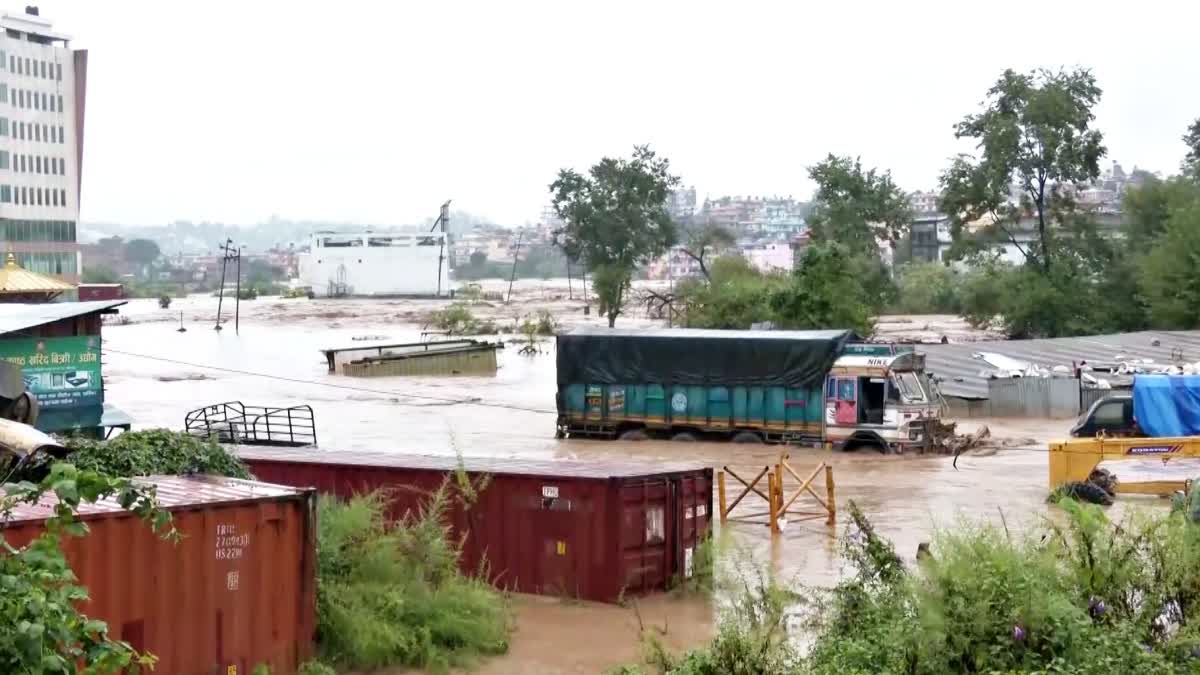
{"type": "Point", "coordinates": [333, 385]}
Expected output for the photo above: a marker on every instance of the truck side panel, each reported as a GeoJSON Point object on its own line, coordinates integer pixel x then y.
{"type": "Point", "coordinates": [603, 409]}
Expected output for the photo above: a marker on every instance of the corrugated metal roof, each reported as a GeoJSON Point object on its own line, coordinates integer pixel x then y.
{"type": "Point", "coordinates": [17, 279]}
{"type": "Point", "coordinates": [962, 376]}
{"type": "Point", "coordinates": [490, 465]}
{"type": "Point", "coordinates": [173, 492]}
{"type": "Point", "coordinates": [20, 316]}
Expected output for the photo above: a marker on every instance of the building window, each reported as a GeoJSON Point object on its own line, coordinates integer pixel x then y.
{"type": "Point", "coordinates": [3, 159]}
{"type": "Point", "coordinates": [3, 92]}
{"type": "Point", "coordinates": [58, 73]}
{"type": "Point", "coordinates": [28, 66]}
{"type": "Point", "coordinates": [22, 162]}
{"type": "Point", "coordinates": [45, 75]}
{"type": "Point", "coordinates": [37, 132]}
{"type": "Point", "coordinates": [62, 197]}
{"type": "Point", "coordinates": [38, 164]}
{"type": "Point", "coordinates": [6, 194]}
{"type": "Point", "coordinates": [17, 70]}
{"type": "Point", "coordinates": [61, 135]}
{"type": "Point", "coordinates": [45, 102]}
{"type": "Point", "coordinates": [3, 60]}
{"type": "Point", "coordinates": [19, 98]}
{"type": "Point", "coordinates": [54, 198]}
{"type": "Point", "coordinates": [3, 126]}
{"type": "Point", "coordinates": [50, 99]}
{"type": "Point", "coordinates": [58, 166]}
{"type": "Point", "coordinates": [37, 101]}
{"type": "Point", "coordinates": [60, 105]}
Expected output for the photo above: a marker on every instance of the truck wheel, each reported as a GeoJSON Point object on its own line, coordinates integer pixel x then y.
{"type": "Point", "coordinates": [685, 437]}
{"type": "Point", "coordinates": [746, 437]}
{"type": "Point", "coordinates": [1087, 492]}
{"type": "Point", "coordinates": [634, 435]}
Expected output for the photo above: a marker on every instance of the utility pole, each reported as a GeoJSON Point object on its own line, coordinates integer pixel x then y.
{"type": "Point", "coordinates": [443, 220]}
{"type": "Point", "coordinates": [570, 291]}
{"type": "Point", "coordinates": [234, 253]}
{"type": "Point", "coordinates": [516, 257]}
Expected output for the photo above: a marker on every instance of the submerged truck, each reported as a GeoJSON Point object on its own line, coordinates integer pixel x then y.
{"type": "Point", "coordinates": [813, 387]}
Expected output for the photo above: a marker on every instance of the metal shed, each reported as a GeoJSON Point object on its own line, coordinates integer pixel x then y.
{"type": "Point", "coordinates": [586, 530]}
{"type": "Point", "coordinates": [237, 592]}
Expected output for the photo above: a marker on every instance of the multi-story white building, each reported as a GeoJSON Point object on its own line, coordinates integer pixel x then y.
{"type": "Point", "coordinates": [42, 87]}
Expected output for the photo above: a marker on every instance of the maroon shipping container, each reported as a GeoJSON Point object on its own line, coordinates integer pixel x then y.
{"type": "Point", "coordinates": [238, 591]}
{"type": "Point", "coordinates": [101, 292]}
{"type": "Point", "coordinates": [588, 530]}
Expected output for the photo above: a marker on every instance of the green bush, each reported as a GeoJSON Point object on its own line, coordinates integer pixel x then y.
{"type": "Point", "coordinates": [144, 453]}
{"type": "Point", "coordinates": [393, 595]}
{"type": "Point", "coordinates": [457, 319]}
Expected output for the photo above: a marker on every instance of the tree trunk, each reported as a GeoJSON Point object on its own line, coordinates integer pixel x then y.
{"type": "Point", "coordinates": [1041, 208]}
{"type": "Point", "coordinates": [612, 319]}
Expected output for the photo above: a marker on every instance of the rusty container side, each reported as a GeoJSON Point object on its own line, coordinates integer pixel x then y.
{"type": "Point", "coordinates": [238, 591]}
{"type": "Point", "coordinates": [590, 531]}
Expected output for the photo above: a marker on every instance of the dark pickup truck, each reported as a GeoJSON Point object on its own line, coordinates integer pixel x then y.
{"type": "Point", "coordinates": [1111, 416]}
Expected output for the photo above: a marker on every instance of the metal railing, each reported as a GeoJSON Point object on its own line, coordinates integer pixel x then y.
{"type": "Point", "coordinates": [236, 422]}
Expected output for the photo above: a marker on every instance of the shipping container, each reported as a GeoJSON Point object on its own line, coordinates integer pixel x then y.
{"type": "Point", "coordinates": [89, 292]}
{"type": "Point", "coordinates": [237, 591]}
{"type": "Point", "coordinates": [586, 530]}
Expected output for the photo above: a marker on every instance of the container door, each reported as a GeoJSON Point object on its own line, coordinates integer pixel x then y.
{"type": "Point", "coordinates": [692, 497]}
{"type": "Point", "coordinates": [647, 546]}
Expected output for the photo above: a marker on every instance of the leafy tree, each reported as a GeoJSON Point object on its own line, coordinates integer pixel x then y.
{"type": "Point", "coordinates": [821, 294]}
{"type": "Point", "coordinates": [141, 252]}
{"type": "Point", "coordinates": [42, 629]}
{"type": "Point", "coordinates": [1170, 271]}
{"type": "Point", "coordinates": [616, 220]}
{"type": "Point", "coordinates": [478, 259]}
{"type": "Point", "coordinates": [857, 208]}
{"type": "Point", "coordinates": [1192, 140]}
{"type": "Point", "coordinates": [99, 274]}
{"type": "Point", "coordinates": [928, 288]}
{"type": "Point", "coordinates": [705, 241]}
{"type": "Point", "coordinates": [1034, 135]}
{"type": "Point", "coordinates": [734, 296]}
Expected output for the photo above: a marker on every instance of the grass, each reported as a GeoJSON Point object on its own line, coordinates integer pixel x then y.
{"type": "Point", "coordinates": [393, 595]}
{"type": "Point", "coordinates": [1087, 596]}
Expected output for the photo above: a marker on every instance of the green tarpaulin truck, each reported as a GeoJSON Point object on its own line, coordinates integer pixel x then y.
{"type": "Point", "coordinates": [743, 386]}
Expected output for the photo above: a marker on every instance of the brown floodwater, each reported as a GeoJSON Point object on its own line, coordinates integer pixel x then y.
{"type": "Point", "coordinates": [157, 374]}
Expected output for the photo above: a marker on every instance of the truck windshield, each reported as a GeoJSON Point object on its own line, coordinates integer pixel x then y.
{"type": "Point", "coordinates": [910, 387]}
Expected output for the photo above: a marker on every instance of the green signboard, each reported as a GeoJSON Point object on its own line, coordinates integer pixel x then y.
{"type": "Point", "coordinates": [61, 372]}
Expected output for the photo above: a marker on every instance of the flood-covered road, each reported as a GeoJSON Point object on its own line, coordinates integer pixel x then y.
{"type": "Point", "coordinates": [157, 374]}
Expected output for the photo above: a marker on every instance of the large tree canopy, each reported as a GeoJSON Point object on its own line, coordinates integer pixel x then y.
{"type": "Point", "coordinates": [856, 208]}
{"type": "Point", "coordinates": [615, 219]}
{"type": "Point", "coordinates": [1035, 143]}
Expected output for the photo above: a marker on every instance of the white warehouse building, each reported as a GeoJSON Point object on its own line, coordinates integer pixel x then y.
{"type": "Point", "coordinates": [376, 264]}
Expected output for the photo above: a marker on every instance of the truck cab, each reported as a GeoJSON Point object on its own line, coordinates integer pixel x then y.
{"type": "Point", "coordinates": [1110, 416]}
{"type": "Point", "coordinates": [885, 402]}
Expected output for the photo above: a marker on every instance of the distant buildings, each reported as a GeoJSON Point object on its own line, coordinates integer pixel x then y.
{"type": "Point", "coordinates": [777, 217]}
{"type": "Point", "coordinates": [682, 205]}
{"type": "Point", "coordinates": [42, 87]}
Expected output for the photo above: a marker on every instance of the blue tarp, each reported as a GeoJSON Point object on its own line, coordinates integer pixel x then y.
{"type": "Point", "coordinates": [1167, 405]}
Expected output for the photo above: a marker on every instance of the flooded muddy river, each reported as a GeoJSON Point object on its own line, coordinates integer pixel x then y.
{"type": "Point", "coordinates": [157, 374]}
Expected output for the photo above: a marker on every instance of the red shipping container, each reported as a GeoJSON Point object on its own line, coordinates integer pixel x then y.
{"type": "Point", "coordinates": [586, 530]}
{"type": "Point", "coordinates": [238, 591]}
{"type": "Point", "coordinates": [101, 292]}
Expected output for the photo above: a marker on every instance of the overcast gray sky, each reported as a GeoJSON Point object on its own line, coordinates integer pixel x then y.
{"type": "Point", "coordinates": [376, 112]}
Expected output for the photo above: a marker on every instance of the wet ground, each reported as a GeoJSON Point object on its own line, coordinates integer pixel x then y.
{"type": "Point", "coordinates": [157, 374]}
